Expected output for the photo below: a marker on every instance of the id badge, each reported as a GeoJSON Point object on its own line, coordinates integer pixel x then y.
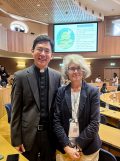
{"type": "Point", "coordinates": [74, 129]}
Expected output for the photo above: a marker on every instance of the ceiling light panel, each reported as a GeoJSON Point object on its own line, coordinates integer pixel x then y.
{"type": "Point", "coordinates": [59, 11]}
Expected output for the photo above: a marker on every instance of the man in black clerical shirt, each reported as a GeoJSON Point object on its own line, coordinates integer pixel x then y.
{"type": "Point", "coordinates": [32, 98]}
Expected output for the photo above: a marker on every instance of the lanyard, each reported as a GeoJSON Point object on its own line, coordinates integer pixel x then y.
{"type": "Point", "coordinates": [75, 97]}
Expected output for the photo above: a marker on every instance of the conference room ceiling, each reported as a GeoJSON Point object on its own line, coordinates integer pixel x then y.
{"type": "Point", "coordinates": [61, 11]}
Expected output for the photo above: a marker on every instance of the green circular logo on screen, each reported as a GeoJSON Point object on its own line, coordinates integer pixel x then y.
{"type": "Point", "coordinates": [65, 38]}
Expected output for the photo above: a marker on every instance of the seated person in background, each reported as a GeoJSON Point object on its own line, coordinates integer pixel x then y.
{"type": "Point", "coordinates": [104, 88]}
{"type": "Point", "coordinates": [4, 76]}
{"type": "Point", "coordinates": [98, 79]}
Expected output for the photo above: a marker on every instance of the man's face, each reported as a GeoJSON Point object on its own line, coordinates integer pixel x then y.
{"type": "Point", "coordinates": [42, 54]}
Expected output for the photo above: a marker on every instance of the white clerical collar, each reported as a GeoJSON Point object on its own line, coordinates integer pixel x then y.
{"type": "Point", "coordinates": [42, 70]}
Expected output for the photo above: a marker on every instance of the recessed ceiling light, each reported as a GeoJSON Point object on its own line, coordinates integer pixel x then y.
{"type": "Point", "coordinates": [38, 5]}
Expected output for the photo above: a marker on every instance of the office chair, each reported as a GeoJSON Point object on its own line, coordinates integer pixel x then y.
{"type": "Point", "coordinates": [102, 104]}
{"type": "Point", "coordinates": [103, 119]}
{"type": "Point", "coordinates": [8, 107]}
{"type": "Point", "coordinates": [113, 108]}
{"type": "Point", "coordinates": [104, 155]}
{"type": "Point", "coordinates": [118, 158]}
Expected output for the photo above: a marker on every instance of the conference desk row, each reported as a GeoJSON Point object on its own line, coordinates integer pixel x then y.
{"type": "Point", "coordinates": [7, 149]}
{"type": "Point", "coordinates": [109, 88]}
{"type": "Point", "coordinates": [4, 98]}
{"type": "Point", "coordinates": [110, 113]}
{"type": "Point", "coordinates": [112, 98]}
{"type": "Point", "coordinates": [112, 116]}
{"type": "Point", "coordinates": [109, 135]}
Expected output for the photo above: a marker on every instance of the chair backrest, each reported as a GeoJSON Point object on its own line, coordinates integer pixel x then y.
{"type": "Point", "coordinates": [8, 107]}
{"type": "Point", "coordinates": [103, 119]}
{"type": "Point", "coordinates": [113, 108]}
{"type": "Point", "coordinates": [118, 158]}
{"type": "Point", "coordinates": [104, 155]}
{"type": "Point", "coordinates": [103, 104]}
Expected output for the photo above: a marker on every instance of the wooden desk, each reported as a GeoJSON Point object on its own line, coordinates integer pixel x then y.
{"type": "Point", "coordinates": [96, 84]}
{"type": "Point", "coordinates": [110, 113]}
{"type": "Point", "coordinates": [112, 98]}
{"type": "Point", "coordinates": [4, 98]}
{"type": "Point", "coordinates": [109, 88]}
{"type": "Point", "coordinates": [110, 136]}
{"type": "Point", "coordinates": [99, 84]}
{"type": "Point", "coordinates": [7, 149]}
{"type": "Point", "coordinates": [112, 116]}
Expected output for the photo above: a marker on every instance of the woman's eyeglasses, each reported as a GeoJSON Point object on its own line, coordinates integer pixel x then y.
{"type": "Point", "coordinates": [73, 69]}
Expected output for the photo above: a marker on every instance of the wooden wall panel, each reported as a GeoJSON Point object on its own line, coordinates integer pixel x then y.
{"type": "Point", "coordinates": [98, 66]}
{"type": "Point", "coordinates": [19, 42]}
{"type": "Point", "coordinates": [27, 42]}
{"type": "Point", "coordinates": [11, 64]}
{"type": "Point", "coordinates": [3, 38]}
{"type": "Point", "coordinates": [108, 74]}
{"type": "Point", "coordinates": [112, 45]}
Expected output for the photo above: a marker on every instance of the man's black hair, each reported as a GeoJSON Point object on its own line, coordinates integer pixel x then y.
{"type": "Point", "coordinates": [41, 39]}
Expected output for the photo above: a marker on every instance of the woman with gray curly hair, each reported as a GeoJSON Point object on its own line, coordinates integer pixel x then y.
{"type": "Point", "coordinates": [78, 60]}
{"type": "Point", "coordinates": [76, 114]}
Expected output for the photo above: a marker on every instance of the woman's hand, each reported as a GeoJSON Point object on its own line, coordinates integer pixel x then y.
{"type": "Point", "coordinates": [72, 153]}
